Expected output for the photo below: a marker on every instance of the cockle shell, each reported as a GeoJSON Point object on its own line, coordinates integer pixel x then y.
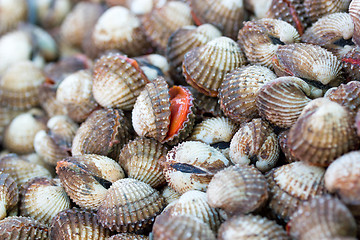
{"type": "Point", "coordinates": [283, 142]}
{"type": "Point", "coordinates": [12, 12]}
{"type": "Point", "coordinates": [355, 16]}
{"type": "Point", "coordinates": [139, 7]}
{"type": "Point", "coordinates": [128, 236]}
{"type": "Point", "coordinates": [257, 7]}
{"type": "Point", "coordinates": [130, 205]}
{"type": "Point", "coordinates": [19, 228]}
{"type": "Point", "coordinates": [255, 142]}
{"type": "Point", "coordinates": [351, 64]}
{"type": "Point", "coordinates": [9, 194]}
{"type": "Point", "coordinates": [6, 116]}
{"type": "Point", "coordinates": [169, 194]}
{"type": "Point", "coordinates": [205, 106]}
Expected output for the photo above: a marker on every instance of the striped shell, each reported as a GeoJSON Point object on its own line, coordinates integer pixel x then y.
{"type": "Point", "coordinates": [355, 16]}
{"type": "Point", "coordinates": [351, 64]}
{"type": "Point", "coordinates": [19, 228]}
{"type": "Point", "coordinates": [12, 13]}
{"type": "Point", "coordinates": [6, 116]}
{"type": "Point", "coordinates": [128, 236]}
{"type": "Point", "coordinates": [169, 194]}
{"type": "Point", "coordinates": [9, 195]}
{"type": "Point", "coordinates": [283, 142]}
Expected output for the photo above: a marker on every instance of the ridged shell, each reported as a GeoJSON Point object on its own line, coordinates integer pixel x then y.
{"type": "Point", "coordinates": [42, 199]}
{"type": "Point", "coordinates": [12, 13]}
{"type": "Point", "coordinates": [139, 7]}
{"type": "Point", "coordinates": [9, 194]}
{"type": "Point", "coordinates": [181, 228]}
{"type": "Point", "coordinates": [351, 64]}
{"type": "Point", "coordinates": [252, 227]}
{"type": "Point", "coordinates": [19, 228]}
{"type": "Point", "coordinates": [191, 165]}
{"type": "Point", "coordinates": [48, 102]}
{"type": "Point", "coordinates": [104, 132]}
{"type": "Point", "coordinates": [323, 132]}
{"type": "Point", "coordinates": [239, 89]}
{"type": "Point", "coordinates": [140, 160]}
{"type": "Point", "coordinates": [86, 178]}
{"type": "Point", "coordinates": [49, 14]}
{"type": "Point", "coordinates": [320, 218]}
{"type": "Point", "coordinates": [257, 7]}
{"type": "Point", "coordinates": [283, 142]}
{"type": "Point", "coordinates": [202, 68]}
{"type": "Point", "coordinates": [255, 142]}
{"type": "Point", "coordinates": [316, 9]}
{"type": "Point", "coordinates": [6, 116]}
{"type": "Point", "coordinates": [128, 236]}
{"type": "Point", "coordinates": [117, 82]}
{"type": "Point", "coordinates": [291, 184]}
{"type": "Point", "coordinates": [244, 192]}
{"type": "Point", "coordinates": [355, 16]}
{"type": "Point", "coordinates": [62, 129]}
{"type": "Point", "coordinates": [206, 106]}
{"type": "Point", "coordinates": [169, 194]}
{"type": "Point", "coordinates": [281, 101]}
{"type": "Point", "coordinates": [77, 224]}
{"type": "Point", "coordinates": [130, 205]}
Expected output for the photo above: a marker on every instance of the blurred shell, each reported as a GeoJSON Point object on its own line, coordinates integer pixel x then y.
{"type": "Point", "coordinates": [48, 13]}
{"type": "Point", "coordinates": [104, 132]}
{"type": "Point", "coordinates": [12, 13]}
{"type": "Point", "coordinates": [19, 228]}
{"type": "Point", "coordinates": [323, 132]}
{"type": "Point", "coordinates": [181, 228]}
{"type": "Point", "coordinates": [38, 160]}
{"type": "Point", "coordinates": [320, 218]}
{"type": "Point", "coordinates": [48, 102]}
{"type": "Point", "coordinates": [291, 184]}
{"type": "Point", "coordinates": [281, 101]}
{"type": "Point", "coordinates": [154, 61]}
{"type": "Point", "coordinates": [252, 227]}
{"type": "Point", "coordinates": [163, 20]}
{"type": "Point", "coordinates": [117, 82]}
{"type": "Point", "coordinates": [245, 189]}
{"type": "Point", "coordinates": [205, 67]}
{"type": "Point", "coordinates": [257, 7]}
{"type": "Point", "coordinates": [351, 64]}
{"type": "Point", "coordinates": [255, 142]}
{"type": "Point", "coordinates": [128, 236]}
{"type": "Point", "coordinates": [191, 165]}
{"type": "Point", "coordinates": [62, 130]}
{"type": "Point", "coordinates": [130, 205]}
{"type": "Point", "coordinates": [77, 224]}
{"type": "Point", "coordinates": [42, 199]}
{"type": "Point", "coordinates": [169, 194]}
{"type": "Point", "coordinates": [86, 178]}
{"type": "Point", "coordinates": [6, 116]}
{"type": "Point", "coordinates": [283, 142]}
{"type": "Point", "coordinates": [239, 89]}
{"type": "Point", "coordinates": [139, 7]}
{"type": "Point", "coordinates": [9, 194]}
{"type": "Point", "coordinates": [226, 15]}
{"type": "Point", "coordinates": [140, 160]}
{"type": "Point", "coordinates": [355, 16]}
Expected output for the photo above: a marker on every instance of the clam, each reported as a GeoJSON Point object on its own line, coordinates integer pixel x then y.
{"type": "Point", "coordinates": [169, 194]}
{"type": "Point", "coordinates": [258, 7]}
{"type": "Point", "coordinates": [350, 63]}
{"type": "Point", "coordinates": [206, 106]}
{"type": "Point", "coordinates": [6, 116]}
{"type": "Point", "coordinates": [355, 16]}
{"type": "Point", "coordinates": [154, 62]}
{"type": "Point", "coordinates": [9, 195]}
{"type": "Point", "coordinates": [283, 142]}
{"type": "Point", "coordinates": [128, 236]}
{"type": "Point", "coordinates": [23, 228]}
{"type": "Point", "coordinates": [12, 13]}
{"type": "Point", "coordinates": [139, 7]}
{"type": "Point", "coordinates": [317, 9]}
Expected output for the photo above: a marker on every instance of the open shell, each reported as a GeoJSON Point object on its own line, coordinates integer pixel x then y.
{"type": "Point", "coordinates": [9, 194]}
{"type": "Point", "coordinates": [23, 228]}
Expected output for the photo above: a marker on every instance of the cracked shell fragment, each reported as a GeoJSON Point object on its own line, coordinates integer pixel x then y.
{"type": "Point", "coordinates": [19, 228]}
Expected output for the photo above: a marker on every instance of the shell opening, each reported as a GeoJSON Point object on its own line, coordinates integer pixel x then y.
{"type": "Point", "coordinates": [103, 182]}
{"type": "Point", "coordinates": [221, 145]}
{"type": "Point", "coordinates": [343, 42]}
{"type": "Point", "coordinates": [276, 40]}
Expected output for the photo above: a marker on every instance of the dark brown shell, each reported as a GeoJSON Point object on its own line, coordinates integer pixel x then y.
{"type": "Point", "coordinates": [351, 64]}
{"type": "Point", "coordinates": [19, 228]}
{"type": "Point", "coordinates": [9, 194]}
{"type": "Point", "coordinates": [283, 142]}
{"type": "Point", "coordinates": [128, 236]}
{"type": "Point", "coordinates": [355, 16]}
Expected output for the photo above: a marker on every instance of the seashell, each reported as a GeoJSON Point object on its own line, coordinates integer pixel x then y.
{"type": "Point", "coordinates": [280, 101]}
{"type": "Point", "coordinates": [183, 40]}
{"type": "Point", "coordinates": [154, 61]}
{"type": "Point", "coordinates": [283, 142]}
{"type": "Point", "coordinates": [62, 130]}
{"type": "Point", "coordinates": [12, 13]}
{"type": "Point", "coordinates": [104, 132]}
{"type": "Point", "coordinates": [6, 116]}
{"type": "Point", "coordinates": [350, 63]}
{"type": "Point", "coordinates": [201, 66]}
{"type": "Point", "coordinates": [75, 93]}
{"type": "Point", "coordinates": [77, 224]}
{"type": "Point", "coordinates": [191, 165]}
{"type": "Point", "coordinates": [251, 227]}
{"type": "Point", "coordinates": [169, 194]}
{"type": "Point", "coordinates": [20, 133]}
{"type": "Point", "coordinates": [86, 178]}
{"type": "Point", "coordinates": [119, 28]}
{"type": "Point", "coordinates": [205, 106]}
{"type": "Point", "coordinates": [48, 102]}
{"type": "Point", "coordinates": [255, 142]}
{"type": "Point", "coordinates": [19, 86]}
{"type": "Point", "coordinates": [354, 14]}
{"type": "Point", "coordinates": [244, 192]}
{"type": "Point", "coordinates": [9, 195]}
{"type": "Point", "coordinates": [292, 184]}
{"type": "Point", "coordinates": [42, 199]}
{"type": "Point", "coordinates": [117, 82]}
{"type": "Point", "coordinates": [260, 39]}
{"type": "Point", "coordinates": [139, 7]}
{"type": "Point", "coordinates": [194, 204]}
{"type": "Point", "coordinates": [357, 122]}
{"type": "Point", "coordinates": [181, 227]}
{"type": "Point", "coordinates": [239, 89]}
{"type": "Point", "coordinates": [130, 205]}
{"type": "Point", "coordinates": [326, 130]}
{"type": "Point", "coordinates": [140, 160]}
{"type": "Point", "coordinates": [22, 228]}
{"type": "Point", "coordinates": [163, 20]}
{"type": "Point", "coordinates": [128, 236]}
{"type": "Point", "coordinates": [258, 8]}
{"type": "Point", "coordinates": [320, 218]}
{"type": "Point", "coordinates": [38, 160]}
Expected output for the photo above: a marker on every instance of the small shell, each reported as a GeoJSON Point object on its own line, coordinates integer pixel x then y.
{"type": "Point", "coordinates": [62, 129]}
{"type": "Point", "coordinates": [320, 218]}
{"type": "Point", "coordinates": [48, 102]}
{"type": "Point", "coordinates": [244, 192]}
{"type": "Point", "coordinates": [12, 13]}
{"type": "Point", "coordinates": [191, 165]}
{"type": "Point", "coordinates": [139, 7]}
{"type": "Point", "coordinates": [6, 116]}
{"type": "Point", "coordinates": [140, 160]}
{"type": "Point", "coordinates": [205, 106]}
{"type": "Point", "coordinates": [252, 227]}
{"type": "Point", "coordinates": [130, 205]}
{"type": "Point", "coordinates": [181, 228]}
{"type": "Point", "coordinates": [283, 142]}
{"type": "Point", "coordinates": [19, 228]}
{"type": "Point", "coordinates": [239, 89]}
{"type": "Point", "coordinates": [42, 199]}
{"type": "Point", "coordinates": [156, 61]}
{"type": "Point", "coordinates": [48, 13]}
{"type": "Point", "coordinates": [9, 194]}
{"type": "Point", "coordinates": [291, 184]}
{"type": "Point", "coordinates": [77, 224]}
{"type": "Point", "coordinates": [170, 195]}
{"type": "Point", "coordinates": [255, 142]}
{"type": "Point", "coordinates": [351, 64]}
{"type": "Point", "coordinates": [355, 16]}
{"type": "Point", "coordinates": [258, 7]}
{"type": "Point", "coordinates": [128, 236]}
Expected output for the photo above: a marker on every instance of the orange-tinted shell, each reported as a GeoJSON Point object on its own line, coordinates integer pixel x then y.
{"type": "Point", "coordinates": [19, 228]}
{"type": "Point", "coordinates": [351, 64]}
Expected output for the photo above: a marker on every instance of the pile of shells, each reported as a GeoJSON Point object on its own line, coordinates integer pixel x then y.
{"type": "Point", "coordinates": [179, 119]}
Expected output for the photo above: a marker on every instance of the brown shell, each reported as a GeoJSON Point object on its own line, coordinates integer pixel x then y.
{"type": "Point", "coordinates": [128, 236]}
{"type": "Point", "coordinates": [255, 142]}
{"type": "Point", "coordinates": [323, 132]}
{"type": "Point", "coordinates": [355, 16]}
{"type": "Point", "coordinates": [12, 13]}
{"type": "Point", "coordinates": [130, 205]}
{"type": "Point", "coordinates": [283, 142]}
{"type": "Point", "coordinates": [258, 8]}
{"type": "Point", "coordinates": [351, 64]}
{"type": "Point", "coordinates": [291, 184]}
{"type": "Point", "coordinates": [320, 218]}
{"type": "Point", "coordinates": [205, 106]}
{"type": "Point", "coordinates": [9, 194]}
{"type": "Point", "coordinates": [48, 101]}
{"type": "Point", "coordinates": [169, 194]}
{"type": "Point", "coordinates": [62, 129]}
{"type": "Point", "coordinates": [77, 224]}
{"type": "Point", "coordinates": [239, 89]}
{"type": "Point", "coordinates": [140, 160]}
{"type": "Point", "coordinates": [281, 101]}
{"type": "Point", "coordinates": [19, 228]}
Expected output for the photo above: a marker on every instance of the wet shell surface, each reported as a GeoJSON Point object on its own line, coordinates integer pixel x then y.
{"type": "Point", "coordinates": [351, 64]}
{"type": "Point", "coordinates": [130, 205]}
{"type": "Point", "coordinates": [239, 89]}
{"type": "Point", "coordinates": [9, 195]}
{"type": "Point", "coordinates": [201, 68]}
{"type": "Point", "coordinates": [191, 165]}
{"type": "Point", "coordinates": [255, 142]}
{"type": "Point", "coordinates": [77, 224]}
{"type": "Point", "coordinates": [250, 227]}
{"type": "Point", "coordinates": [23, 228]}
